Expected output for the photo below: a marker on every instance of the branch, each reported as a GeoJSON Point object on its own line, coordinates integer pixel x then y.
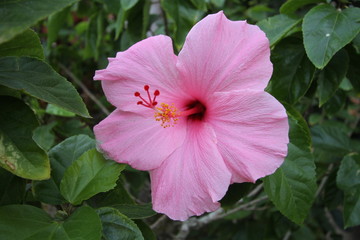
{"type": "Point", "coordinates": [218, 214]}
{"type": "Point", "coordinates": [324, 180]}
{"type": "Point", "coordinates": [85, 89]}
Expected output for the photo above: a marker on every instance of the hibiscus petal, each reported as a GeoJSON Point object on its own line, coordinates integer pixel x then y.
{"type": "Point", "coordinates": [148, 62]}
{"type": "Point", "coordinates": [138, 140]}
{"type": "Point", "coordinates": [222, 55]}
{"type": "Point", "coordinates": [252, 130]}
{"type": "Point", "coordinates": [192, 179]}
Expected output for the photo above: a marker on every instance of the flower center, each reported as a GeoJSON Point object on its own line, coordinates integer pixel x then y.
{"type": "Point", "coordinates": [167, 114]}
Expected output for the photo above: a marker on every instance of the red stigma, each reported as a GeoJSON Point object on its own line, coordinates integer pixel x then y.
{"type": "Point", "coordinates": [150, 103]}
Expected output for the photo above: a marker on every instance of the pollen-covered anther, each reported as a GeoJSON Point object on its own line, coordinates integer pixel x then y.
{"type": "Point", "coordinates": [150, 103]}
{"type": "Point", "coordinates": [167, 115]}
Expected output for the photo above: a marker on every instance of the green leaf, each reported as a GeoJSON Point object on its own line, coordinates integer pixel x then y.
{"type": "Point", "coordinates": [120, 21]}
{"type": "Point", "coordinates": [277, 27]}
{"type": "Point", "coordinates": [118, 195]}
{"type": "Point", "coordinates": [128, 4]}
{"type": "Point", "coordinates": [218, 3]}
{"type": "Point", "coordinates": [73, 126]}
{"type": "Point", "coordinates": [12, 188]}
{"type": "Point", "coordinates": [5, 91]}
{"type": "Point", "coordinates": [55, 22]}
{"type": "Point", "coordinates": [24, 44]}
{"type": "Point", "coordinates": [135, 211]}
{"type": "Point", "coordinates": [44, 136]}
{"type": "Point", "coordinates": [356, 43]}
{"type": "Point", "coordinates": [299, 133]}
{"type": "Point", "coordinates": [146, 231]}
{"type": "Point", "coordinates": [117, 226]}
{"type": "Point", "coordinates": [200, 4]}
{"type": "Point", "coordinates": [331, 76]}
{"type": "Point", "coordinates": [293, 72]}
{"type": "Point", "coordinates": [353, 72]}
{"type": "Point", "coordinates": [25, 222]}
{"type": "Point", "coordinates": [259, 12]}
{"type": "Point", "coordinates": [38, 79]}
{"type": "Point", "coordinates": [292, 187]}
{"type": "Point", "coordinates": [182, 16]}
{"type": "Point", "coordinates": [327, 30]}
{"type": "Point", "coordinates": [19, 154]}
{"type": "Point", "coordinates": [335, 103]}
{"type": "Point", "coordinates": [348, 180]}
{"type": "Point", "coordinates": [146, 18]}
{"type": "Point", "coordinates": [331, 139]}
{"type": "Point", "coordinates": [61, 157]}
{"type": "Point", "coordinates": [89, 175]}
{"type": "Point", "coordinates": [290, 6]}
{"type": "Point", "coordinates": [16, 16]}
{"type": "Point", "coordinates": [58, 111]}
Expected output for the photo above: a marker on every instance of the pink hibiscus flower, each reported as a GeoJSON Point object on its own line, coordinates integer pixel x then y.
{"type": "Point", "coordinates": [198, 121]}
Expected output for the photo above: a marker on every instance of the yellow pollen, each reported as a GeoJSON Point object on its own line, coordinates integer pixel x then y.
{"type": "Point", "coordinates": [167, 114]}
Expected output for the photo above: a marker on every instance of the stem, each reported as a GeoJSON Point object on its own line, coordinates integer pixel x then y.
{"type": "Point", "coordinates": [85, 89]}
{"type": "Point", "coordinates": [218, 214]}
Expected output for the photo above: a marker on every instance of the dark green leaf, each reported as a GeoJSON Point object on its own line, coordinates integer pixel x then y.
{"type": "Point", "coordinates": [55, 22]}
{"type": "Point", "coordinates": [146, 231]}
{"type": "Point", "coordinates": [327, 30]}
{"type": "Point", "coordinates": [89, 175]}
{"type": "Point", "coordinates": [348, 180]}
{"type": "Point", "coordinates": [117, 226]}
{"type": "Point", "coordinates": [292, 187]}
{"type": "Point", "coordinates": [73, 126]}
{"type": "Point", "coordinates": [47, 192]}
{"type": "Point", "coordinates": [356, 43]}
{"type": "Point", "coordinates": [120, 20]}
{"type": "Point", "coordinates": [118, 195]}
{"type": "Point", "coordinates": [38, 79]}
{"type": "Point", "coordinates": [16, 16]}
{"type": "Point", "coordinates": [259, 12]}
{"type": "Point", "coordinates": [146, 17]}
{"type": "Point", "coordinates": [182, 17]}
{"type": "Point", "coordinates": [277, 27]}
{"type": "Point", "coordinates": [5, 91]}
{"type": "Point", "coordinates": [12, 188]}
{"type": "Point", "coordinates": [299, 133]}
{"type": "Point", "coordinates": [218, 3]}
{"type": "Point", "coordinates": [354, 70]}
{"type": "Point", "coordinates": [24, 44]}
{"type": "Point", "coordinates": [19, 154]}
{"type": "Point", "coordinates": [290, 6]}
{"type": "Point", "coordinates": [44, 136]}
{"type": "Point", "coordinates": [336, 103]}
{"type": "Point", "coordinates": [61, 157]}
{"type": "Point", "coordinates": [293, 72]}
{"type": "Point", "coordinates": [25, 222]}
{"type": "Point", "coordinates": [135, 211]}
{"type": "Point", "coordinates": [200, 4]}
{"type": "Point", "coordinates": [330, 139]}
{"type": "Point", "coordinates": [331, 76]}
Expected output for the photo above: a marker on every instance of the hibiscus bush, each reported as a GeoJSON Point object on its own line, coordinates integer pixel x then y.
{"type": "Point", "coordinates": [260, 116]}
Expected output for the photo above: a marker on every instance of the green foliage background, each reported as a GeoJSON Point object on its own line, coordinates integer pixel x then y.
{"type": "Point", "coordinates": [55, 185]}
